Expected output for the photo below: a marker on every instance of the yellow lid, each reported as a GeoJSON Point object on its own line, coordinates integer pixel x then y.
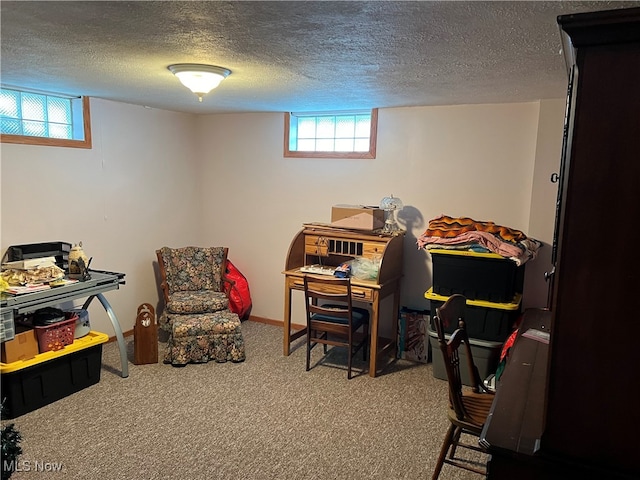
{"type": "Point", "coordinates": [89, 340]}
{"type": "Point", "coordinates": [466, 253]}
{"type": "Point", "coordinates": [429, 295]}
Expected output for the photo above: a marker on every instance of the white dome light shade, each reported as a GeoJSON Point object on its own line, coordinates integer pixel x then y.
{"type": "Point", "coordinates": [200, 79]}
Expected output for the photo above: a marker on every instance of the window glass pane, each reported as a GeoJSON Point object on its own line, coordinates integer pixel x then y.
{"type": "Point", "coordinates": [344, 144]}
{"type": "Point", "coordinates": [345, 127]}
{"type": "Point", "coordinates": [12, 126]}
{"type": "Point", "coordinates": [33, 107]}
{"type": "Point", "coordinates": [293, 132]}
{"type": "Point", "coordinates": [34, 129]}
{"type": "Point", "coordinates": [77, 119]}
{"type": "Point", "coordinates": [307, 145]}
{"type": "Point", "coordinates": [59, 110]}
{"type": "Point", "coordinates": [363, 126]}
{"type": "Point", "coordinates": [306, 127]}
{"type": "Point", "coordinates": [361, 145]}
{"type": "Point", "coordinates": [324, 145]}
{"type": "Point", "coordinates": [326, 127]}
{"type": "Point", "coordinates": [58, 130]}
{"type": "Point", "coordinates": [9, 103]}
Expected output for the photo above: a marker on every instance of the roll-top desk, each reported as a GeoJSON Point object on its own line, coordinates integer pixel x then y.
{"type": "Point", "coordinates": [323, 244]}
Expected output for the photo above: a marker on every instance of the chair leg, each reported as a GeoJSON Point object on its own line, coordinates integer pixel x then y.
{"type": "Point", "coordinates": [366, 341]}
{"type": "Point", "coordinates": [349, 357]}
{"type": "Point", "coordinates": [455, 441]}
{"type": "Point", "coordinates": [443, 451]}
{"type": "Point", "coordinates": [308, 349]}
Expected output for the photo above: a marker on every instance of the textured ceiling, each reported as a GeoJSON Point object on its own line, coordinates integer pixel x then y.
{"type": "Point", "coordinates": [291, 56]}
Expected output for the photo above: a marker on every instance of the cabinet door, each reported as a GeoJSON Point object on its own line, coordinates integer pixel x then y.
{"type": "Point", "coordinates": [595, 327]}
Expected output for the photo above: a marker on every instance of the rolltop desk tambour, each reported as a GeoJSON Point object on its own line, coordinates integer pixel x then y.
{"type": "Point", "coordinates": [323, 244]}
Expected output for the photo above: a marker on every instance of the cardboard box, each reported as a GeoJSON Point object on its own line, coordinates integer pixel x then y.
{"type": "Point", "coordinates": [359, 217]}
{"type": "Point", "coordinates": [23, 346]}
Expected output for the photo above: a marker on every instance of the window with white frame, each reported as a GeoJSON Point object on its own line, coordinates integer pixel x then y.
{"type": "Point", "coordinates": [41, 118]}
{"type": "Point", "coordinates": [331, 134]}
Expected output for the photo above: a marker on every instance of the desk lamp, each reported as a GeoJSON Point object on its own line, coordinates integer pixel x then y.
{"type": "Point", "coordinates": [390, 205]}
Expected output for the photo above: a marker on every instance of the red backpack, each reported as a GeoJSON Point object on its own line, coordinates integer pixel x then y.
{"type": "Point", "coordinates": [238, 293]}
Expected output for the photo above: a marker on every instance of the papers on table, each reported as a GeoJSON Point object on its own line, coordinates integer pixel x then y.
{"type": "Point", "coordinates": [30, 263]}
{"type": "Point", "coordinates": [29, 288]}
{"type": "Point", "coordinates": [37, 287]}
{"type": "Point", "coordinates": [537, 335]}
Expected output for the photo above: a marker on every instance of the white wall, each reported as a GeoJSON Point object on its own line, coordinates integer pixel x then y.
{"type": "Point", "coordinates": [543, 198]}
{"type": "Point", "coordinates": [134, 191]}
{"type": "Point", "coordinates": [475, 161]}
{"type": "Point", "coordinates": [157, 178]}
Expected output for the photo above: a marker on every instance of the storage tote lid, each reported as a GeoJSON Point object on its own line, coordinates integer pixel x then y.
{"type": "Point", "coordinates": [47, 316]}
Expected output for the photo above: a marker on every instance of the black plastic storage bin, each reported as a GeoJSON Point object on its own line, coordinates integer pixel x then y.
{"type": "Point", "coordinates": [486, 356]}
{"type": "Point", "coordinates": [483, 320]}
{"type": "Point", "coordinates": [477, 276]}
{"type": "Point", "coordinates": [50, 376]}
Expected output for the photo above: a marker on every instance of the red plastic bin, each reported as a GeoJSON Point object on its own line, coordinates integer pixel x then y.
{"type": "Point", "coordinates": [58, 335]}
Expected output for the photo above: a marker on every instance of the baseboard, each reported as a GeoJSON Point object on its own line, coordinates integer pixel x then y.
{"type": "Point", "coordinates": [277, 323]}
{"type": "Point", "coordinates": [128, 333]}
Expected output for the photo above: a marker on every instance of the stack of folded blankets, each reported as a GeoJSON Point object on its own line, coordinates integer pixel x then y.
{"type": "Point", "coordinates": [463, 233]}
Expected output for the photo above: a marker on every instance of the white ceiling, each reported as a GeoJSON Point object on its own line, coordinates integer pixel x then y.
{"type": "Point", "coordinates": [291, 56]}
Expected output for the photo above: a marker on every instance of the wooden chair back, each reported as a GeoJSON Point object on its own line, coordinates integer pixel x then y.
{"type": "Point", "coordinates": [453, 311]}
{"type": "Point", "coordinates": [321, 290]}
{"type": "Point", "coordinates": [331, 317]}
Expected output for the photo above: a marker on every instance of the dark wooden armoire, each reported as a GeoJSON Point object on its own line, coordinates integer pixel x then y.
{"type": "Point", "coordinates": [591, 417]}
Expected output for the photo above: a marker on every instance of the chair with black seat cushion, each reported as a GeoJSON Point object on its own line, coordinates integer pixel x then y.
{"type": "Point", "coordinates": [468, 406]}
{"type": "Point", "coordinates": [196, 315]}
{"type": "Point", "coordinates": [332, 319]}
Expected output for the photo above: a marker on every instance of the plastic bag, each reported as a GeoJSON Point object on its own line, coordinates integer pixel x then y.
{"type": "Point", "coordinates": [364, 268]}
{"type": "Point", "coordinates": [238, 293]}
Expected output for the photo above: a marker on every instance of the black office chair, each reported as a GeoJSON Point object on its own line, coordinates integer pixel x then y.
{"type": "Point", "coordinates": [332, 319]}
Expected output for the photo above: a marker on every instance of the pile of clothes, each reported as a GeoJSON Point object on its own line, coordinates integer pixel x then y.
{"type": "Point", "coordinates": [463, 233]}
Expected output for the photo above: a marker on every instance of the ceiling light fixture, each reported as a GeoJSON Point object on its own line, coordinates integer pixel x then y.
{"type": "Point", "coordinates": [200, 79]}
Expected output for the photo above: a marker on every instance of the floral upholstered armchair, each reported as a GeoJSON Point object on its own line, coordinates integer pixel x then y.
{"type": "Point", "coordinates": [196, 314]}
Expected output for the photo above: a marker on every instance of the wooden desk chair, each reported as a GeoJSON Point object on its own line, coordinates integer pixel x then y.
{"type": "Point", "coordinates": [331, 317]}
{"type": "Point", "coordinates": [468, 408]}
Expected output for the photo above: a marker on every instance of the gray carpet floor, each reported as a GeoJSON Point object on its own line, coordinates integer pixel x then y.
{"type": "Point", "coordinates": [265, 418]}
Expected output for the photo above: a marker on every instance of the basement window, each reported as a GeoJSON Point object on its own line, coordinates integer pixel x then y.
{"type": "Point", "coordinates": [41, 118]}
{"type": "Point", "coordinates": [331, 134]}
